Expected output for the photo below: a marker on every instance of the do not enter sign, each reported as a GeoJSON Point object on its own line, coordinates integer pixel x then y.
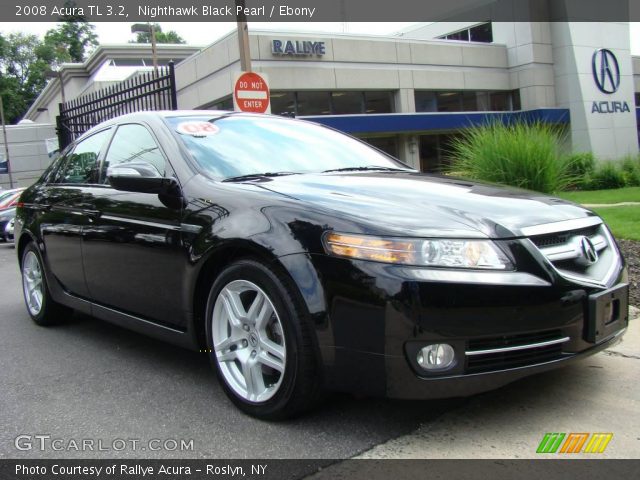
{"type": "Point", "coordinates": [251, 93]}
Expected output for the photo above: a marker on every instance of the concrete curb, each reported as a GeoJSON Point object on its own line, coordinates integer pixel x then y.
{"type": "Point", "coordinates": [510, 422]}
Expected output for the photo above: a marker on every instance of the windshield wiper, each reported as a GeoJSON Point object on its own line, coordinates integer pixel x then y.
{"type": "Point", "coordinates": [367, 168]}
{"type": "Point", "coordinates": [258, 176]}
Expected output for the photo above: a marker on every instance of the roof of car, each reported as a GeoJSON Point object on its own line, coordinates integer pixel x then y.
{"type": "Point", "coordinates": [148, 115]}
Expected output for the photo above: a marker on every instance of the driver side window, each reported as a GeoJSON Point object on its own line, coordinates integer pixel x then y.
{"type": "Point", "coordinates": [133, 143]}
{"type": "Point", "coordinates": [81, 165]}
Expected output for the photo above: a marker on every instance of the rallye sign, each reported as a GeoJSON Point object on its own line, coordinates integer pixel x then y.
{"type": "Point", "coordinates": [297, 48]}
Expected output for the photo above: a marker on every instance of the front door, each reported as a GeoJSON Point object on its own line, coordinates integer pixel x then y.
{"type": "Point", "coordinates": [133, 255]}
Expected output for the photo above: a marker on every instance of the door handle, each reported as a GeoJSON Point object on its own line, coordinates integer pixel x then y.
{"type": "Point", "coordinates": [93, 214]}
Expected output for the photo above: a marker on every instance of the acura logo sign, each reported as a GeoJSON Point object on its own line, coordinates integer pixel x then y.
{"type": "Point", "coordinates": [606, 71]}
{"type": "Point", "coordinates": [589, 252]}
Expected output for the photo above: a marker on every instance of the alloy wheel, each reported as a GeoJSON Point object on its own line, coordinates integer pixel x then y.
{"type": "Point", "coordinates": [248, 341]}
{"type": "Point", "coordinates": [32, 283]}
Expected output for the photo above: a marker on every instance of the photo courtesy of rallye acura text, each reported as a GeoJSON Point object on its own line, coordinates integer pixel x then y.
{"type": "Point", "coordinates": [303, 260]}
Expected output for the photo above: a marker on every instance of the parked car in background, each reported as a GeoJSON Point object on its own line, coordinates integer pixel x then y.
{"type": "Point", "coordinates": [6, 231]}
{"type": "Point", "coordinates": [300, 259]}
{"type": "Point", "coordinates": [9, 198]}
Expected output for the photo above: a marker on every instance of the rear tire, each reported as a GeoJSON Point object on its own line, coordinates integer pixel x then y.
{"type": "Point", "coordinates": [260, 342]}
{"type": "Point", "coordinates": [42, 309]}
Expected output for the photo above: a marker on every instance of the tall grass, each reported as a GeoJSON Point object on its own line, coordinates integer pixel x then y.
{"type": "Point", "coordinates": [525, 155]}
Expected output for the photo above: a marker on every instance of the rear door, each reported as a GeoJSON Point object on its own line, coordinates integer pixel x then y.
{"type": "Point", "coordinates": [66, 206]}
{"type": "Point", "coordinates": [133, 253]}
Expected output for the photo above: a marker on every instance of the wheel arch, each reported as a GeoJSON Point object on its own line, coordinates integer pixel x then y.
{"type": "Point", "coordinates": [289, 267]}
{"type": "Point", "coordinates": [26, 237]}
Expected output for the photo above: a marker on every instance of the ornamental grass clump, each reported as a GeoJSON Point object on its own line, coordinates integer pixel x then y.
{"type": "Point", "coordinates": [524, 155]}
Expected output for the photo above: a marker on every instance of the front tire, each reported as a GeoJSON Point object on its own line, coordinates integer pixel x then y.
{"type": "Point", "coordinates": [260, 342]}
{"type": "Point", "coordinates": [42, 309]}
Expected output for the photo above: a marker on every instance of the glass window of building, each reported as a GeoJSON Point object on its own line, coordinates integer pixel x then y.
{"type": "Point", "coordinates": [478, 33]}
{"type": "Point", "coordinates": [378, 102]}
{"type": "Point", "coordinates": [331, 103]}
{"type": "Point", "coordinates": [283, 103]}
{"type": "Point", "coordinates": [426, 101]}
{"type": "Point", "coordinates": [467, 101]}
{"type": "Point", "coordinates": [481, 33]}
{"type": "Point", "coordinates": [386, 144]}
{"type": "Point", "coordinates": [515, 100]}
{"type": "Point", "coordinates": [462, 35]}
{"type": "Point", "coordinates": [637, 99]}
{"type": "Point", "coordinates": [343, 103]}
{"type": "Point", "coordinates": [500, 101]}
{"type": "Point", "coordinates": [313, 103]}
{"type": "Point", "coordinates": [449, 101]}
{"type": "Point", "coordinates": [435, 152]}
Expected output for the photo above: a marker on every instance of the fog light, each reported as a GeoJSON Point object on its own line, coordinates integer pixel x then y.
{"type": "Point", "coordinates": [436, 357]}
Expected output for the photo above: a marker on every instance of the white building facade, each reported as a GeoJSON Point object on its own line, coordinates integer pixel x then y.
{"type": "Point", "coordinates": [411, 93]}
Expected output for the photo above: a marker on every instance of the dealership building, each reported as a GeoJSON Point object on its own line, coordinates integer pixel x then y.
{"type": "Point", "coordinates": [412, 92]}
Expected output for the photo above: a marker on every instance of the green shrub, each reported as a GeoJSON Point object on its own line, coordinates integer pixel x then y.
{"type": "Point", "coordinates": [580, 167]}
{"type": "Point", "coordinates": [631, 171]}
{"type": "Point", "coordinates": [606, 176]}
{"type": "Point", "coordinates": [524, 155]}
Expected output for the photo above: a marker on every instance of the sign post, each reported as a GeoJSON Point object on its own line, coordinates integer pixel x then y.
{"type": "Point", "coordinates": [251, 93]}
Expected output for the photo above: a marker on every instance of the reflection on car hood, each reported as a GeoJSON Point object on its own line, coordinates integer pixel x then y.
{"type": "Point", "coordinates": [425, 205]}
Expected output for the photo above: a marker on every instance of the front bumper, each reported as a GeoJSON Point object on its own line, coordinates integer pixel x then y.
{"type": "Point", "coordinates": [378, 314]}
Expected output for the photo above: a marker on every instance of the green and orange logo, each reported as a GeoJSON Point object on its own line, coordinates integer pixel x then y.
{"type": "Point", "coordinates": [574, 443]}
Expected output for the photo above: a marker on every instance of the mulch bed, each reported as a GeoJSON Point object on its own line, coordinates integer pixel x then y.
{"type": "Point", "coordinates": [631, 252]}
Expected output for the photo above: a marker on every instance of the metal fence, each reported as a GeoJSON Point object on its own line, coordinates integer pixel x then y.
{"type": "Point", "coordinates": [146, 91]}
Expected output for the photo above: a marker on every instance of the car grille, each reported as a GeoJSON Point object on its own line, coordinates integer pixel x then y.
{"type": "Point", "coordinates": [565, 250]}
{"type": "Point", "coordinates": [513, 351]}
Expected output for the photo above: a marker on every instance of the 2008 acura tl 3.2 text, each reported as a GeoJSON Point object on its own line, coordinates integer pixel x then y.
{"type": "Point", "coordinates": [305, 260]}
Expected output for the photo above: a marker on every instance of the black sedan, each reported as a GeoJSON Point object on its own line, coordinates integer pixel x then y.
{"type": "Point", "coordinates": [299, 260]}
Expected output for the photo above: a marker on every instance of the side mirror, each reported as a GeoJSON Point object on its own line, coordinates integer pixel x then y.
{"type": "Point", "coordinates": [141, 177]}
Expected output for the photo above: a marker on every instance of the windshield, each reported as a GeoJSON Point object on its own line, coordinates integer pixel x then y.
{"type": "Point", "coordinates": [233, 146]}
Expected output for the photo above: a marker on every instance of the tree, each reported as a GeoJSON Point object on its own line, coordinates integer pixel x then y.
{"type": "Point", "coordinates": [73, 39]}
{"type": "Point", "coordinates": [161, 37]}
{"type": "Point", "coordinates": [24, 59]}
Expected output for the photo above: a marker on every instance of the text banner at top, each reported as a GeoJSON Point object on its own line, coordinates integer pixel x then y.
{"type": "Point", "coordinates": [323, 10]}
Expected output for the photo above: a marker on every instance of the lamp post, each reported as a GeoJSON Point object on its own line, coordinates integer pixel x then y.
{"type": "Point", "coordinates": [148, 28]}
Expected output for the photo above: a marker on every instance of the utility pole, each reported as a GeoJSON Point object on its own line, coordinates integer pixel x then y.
{"type": "Point", "coordinates": [154, 49]}
{"type": "Point", "coordinates": [243, 37]}
{"type": "Point", "coordinates": [151, 30]}
{"type": "Point", "coordinates": [6, 143]}
{"type": "Point", "coordinates": [64, 100]}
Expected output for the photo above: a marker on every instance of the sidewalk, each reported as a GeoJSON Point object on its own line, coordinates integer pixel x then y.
{"type": "Point", "coordinates": [599, 394]}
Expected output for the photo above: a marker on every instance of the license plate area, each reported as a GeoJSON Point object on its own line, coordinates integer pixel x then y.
{"type": "Point", "coordinates": [607, 313]}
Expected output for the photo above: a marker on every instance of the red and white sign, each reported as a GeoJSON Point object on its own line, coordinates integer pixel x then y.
{"type": "Point", "coordinates": [251, 93]}
{"type": "Point", "coordinates": [197, 129]}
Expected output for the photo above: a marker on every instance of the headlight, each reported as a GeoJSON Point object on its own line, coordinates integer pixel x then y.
{"type": "Point", "coordinates": [447, 253]}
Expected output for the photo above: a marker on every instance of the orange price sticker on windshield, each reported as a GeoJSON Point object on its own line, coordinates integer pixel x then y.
{"type": "Point", "coordinates": [197, 129]}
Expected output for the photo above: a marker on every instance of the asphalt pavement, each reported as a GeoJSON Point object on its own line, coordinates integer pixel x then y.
{"type": "Point", "coordinates": [89, 380]}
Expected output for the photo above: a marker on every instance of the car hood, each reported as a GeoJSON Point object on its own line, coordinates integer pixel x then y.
{"type": "Point", "coordinates": [411, 203]}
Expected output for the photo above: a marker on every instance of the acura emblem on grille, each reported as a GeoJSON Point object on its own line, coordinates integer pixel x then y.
{"type": "Point", "coordinates": [589, 252]}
